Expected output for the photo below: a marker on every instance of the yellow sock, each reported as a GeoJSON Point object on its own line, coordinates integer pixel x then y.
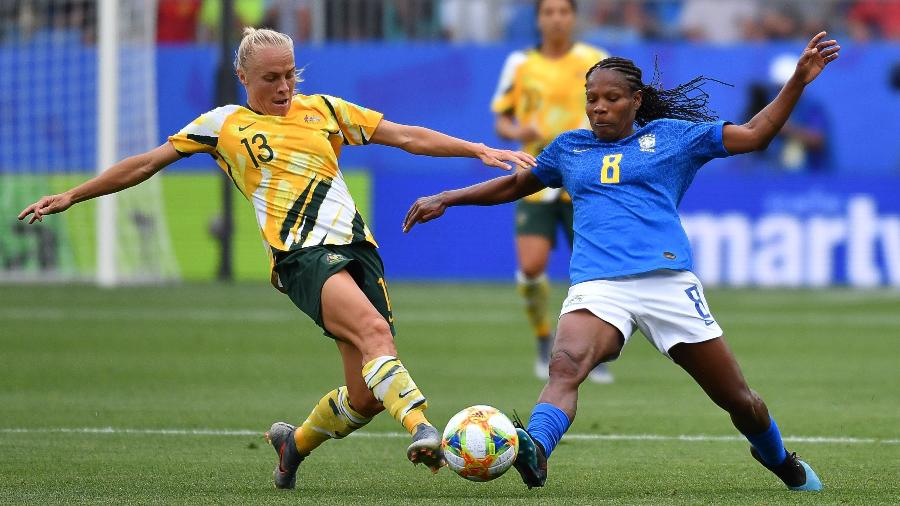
{"type": "Point", "coordinates": [536, 292]}
{"type": "Point", "coordinates": [332, 418]}
{"type": "Point", "coordinates": [412, 419]}
{"type": "Point", "coordinates": [393, 386]}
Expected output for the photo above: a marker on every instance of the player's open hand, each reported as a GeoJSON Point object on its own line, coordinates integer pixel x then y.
{"type": "Point", "coordinates": [424, 209]}
{"type": "Point", "coordinates": [50, 204]}
{"type": "Point", "coordinates": [496, 157]}
{"type": "Point", "coordinates": [816, 55]}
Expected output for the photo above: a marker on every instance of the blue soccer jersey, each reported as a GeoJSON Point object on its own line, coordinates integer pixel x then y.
{"type": "Point", "coordinates": [626, 194]}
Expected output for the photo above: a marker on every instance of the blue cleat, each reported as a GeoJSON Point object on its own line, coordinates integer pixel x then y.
{"type": "Point", "coordinates": [531, 463]}
{"type": "Point", "coordinates": [813, 482]}
{"type": "Point", "coordinates": [795, 473]}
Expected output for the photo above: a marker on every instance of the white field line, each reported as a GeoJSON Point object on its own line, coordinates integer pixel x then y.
{"type": "Point", "coordinates": [390, 435]}
{"type": "Point", "coordinates": [278, 317]}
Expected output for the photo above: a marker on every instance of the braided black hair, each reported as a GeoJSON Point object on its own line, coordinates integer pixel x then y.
{"type": "Point", "coordinates": [686, 101]}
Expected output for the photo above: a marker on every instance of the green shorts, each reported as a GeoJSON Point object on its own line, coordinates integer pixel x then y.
{"type": "Point", "coordinates": [303, 272]}
{"type": "Point", "coordinates": [542, 218]}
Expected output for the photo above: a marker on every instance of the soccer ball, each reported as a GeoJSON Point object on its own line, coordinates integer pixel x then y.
{"type": "Point", "coordinates": [480, 443]}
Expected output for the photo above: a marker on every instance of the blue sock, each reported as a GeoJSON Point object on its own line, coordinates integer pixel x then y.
{"type": "Point", "coordinates": [547, 425]}
{"type": "Point", "coordinates": [769, 444]}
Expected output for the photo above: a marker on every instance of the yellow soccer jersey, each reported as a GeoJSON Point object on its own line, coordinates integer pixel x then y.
{"type": "Point", "coordinates": [287, 166]}
{"type": "Point", "coordinates": [547, 93]}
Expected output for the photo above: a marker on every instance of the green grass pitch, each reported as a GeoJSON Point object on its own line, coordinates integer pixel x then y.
{"type": "Point", "coordinates": [161, 395]}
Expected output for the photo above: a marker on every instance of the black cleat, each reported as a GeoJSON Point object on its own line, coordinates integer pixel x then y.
{"type": "Point", "coordinates": [531, 463]}
{"type": "Point", "coordinates": [795, 473]}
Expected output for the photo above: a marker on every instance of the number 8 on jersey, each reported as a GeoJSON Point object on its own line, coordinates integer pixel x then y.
{"type": "Point", "coordinates": [610, 171]}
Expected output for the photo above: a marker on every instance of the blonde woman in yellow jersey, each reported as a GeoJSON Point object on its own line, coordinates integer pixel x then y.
{"type": "Point", "coordinates": [281, 152]}
{"type": "Point", "coordinates": [541, 95]}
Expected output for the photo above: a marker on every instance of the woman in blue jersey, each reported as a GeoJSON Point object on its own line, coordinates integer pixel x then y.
{"type": "Point", "coordinates": [631, 261]}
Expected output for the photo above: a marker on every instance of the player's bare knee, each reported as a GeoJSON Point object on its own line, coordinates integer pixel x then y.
{"type": "Point", "coordinates": [532, 271]}
{"type": "Point", "coordinates": [375, 334]}
{"type": "Point", "coordinates": [745, 404]}
{"type": "Point", "coordinates": [566, 368]}
{"type": "Point", "coordinates": [758, 407]}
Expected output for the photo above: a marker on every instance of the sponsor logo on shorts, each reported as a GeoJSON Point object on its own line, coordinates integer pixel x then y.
{"type": "Point", "coordinates": [334, 258]}
{"type": "Point", "coordinates": [709, 322]}
{"type": "Point", "coordinates": [669, 255]}
{"type": "Point", "coordinates": [575, 299]}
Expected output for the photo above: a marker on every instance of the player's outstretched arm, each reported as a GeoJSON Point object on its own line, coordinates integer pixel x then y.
{"type": "Point", "coordinates": [424, 141]}
{"type": "Point", "coordinates": [124, 174]}
{"type": "Point", "coordinates": [757, 133]}
{"type": "Point", "coordinates": [496, 191]}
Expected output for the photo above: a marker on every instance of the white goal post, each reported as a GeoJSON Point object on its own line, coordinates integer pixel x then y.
{"type": "Point", "coordinates": [79, 94]}
{"type": "Point", "coordinates": [107, 135]}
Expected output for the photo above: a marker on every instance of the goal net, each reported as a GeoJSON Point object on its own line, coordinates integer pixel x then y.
{"type": "Point", "coordinates": [57, 81]}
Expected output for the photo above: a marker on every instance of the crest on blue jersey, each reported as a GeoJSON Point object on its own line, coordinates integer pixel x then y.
{"type": "Point", "coordinates": [647, 143]}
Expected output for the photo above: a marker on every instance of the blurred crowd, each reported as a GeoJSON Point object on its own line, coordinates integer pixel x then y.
{"type": "Point", "coordinates": [481, 21]}
{"type": "Point", "coordinates": [804, 144]}
{"type": "Point", "coordinates": [611, 21]}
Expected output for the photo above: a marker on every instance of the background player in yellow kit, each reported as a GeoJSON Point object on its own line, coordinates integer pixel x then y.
{"type": "Point", "coordinates": [541, 95]}
{"type": "Point", "coordinates": [281, 151]}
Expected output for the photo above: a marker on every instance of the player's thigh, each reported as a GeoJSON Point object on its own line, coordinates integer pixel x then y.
{"type": "Point", "coordinates": [601, 314]}
{"type": "Point", "coordinates": [361, 397]}
{"type": "Point", "coordinates": [533, 252]}
{"type": "Point", "coordinates": [349, 315]}
{"type": "Point", "coordinates": [305, 272]}
{"type": "Point", "coordinates": [713, 366]}
{"type": "Point", "coordinates": [583, 340]}
{"type": "Point", "coordinates": [536, 224]}
{"type": "Point", "coordinates": [367, 271]}
{"type": "Point", "coordinates": [369, 275]}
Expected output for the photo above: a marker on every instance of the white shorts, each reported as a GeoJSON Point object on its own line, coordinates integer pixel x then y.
{"type": "Point", "coordinates": [668, 306]}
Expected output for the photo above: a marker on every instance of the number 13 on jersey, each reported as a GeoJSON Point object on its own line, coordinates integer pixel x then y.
{"type": "Point", "coordinates": [610, 171]}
